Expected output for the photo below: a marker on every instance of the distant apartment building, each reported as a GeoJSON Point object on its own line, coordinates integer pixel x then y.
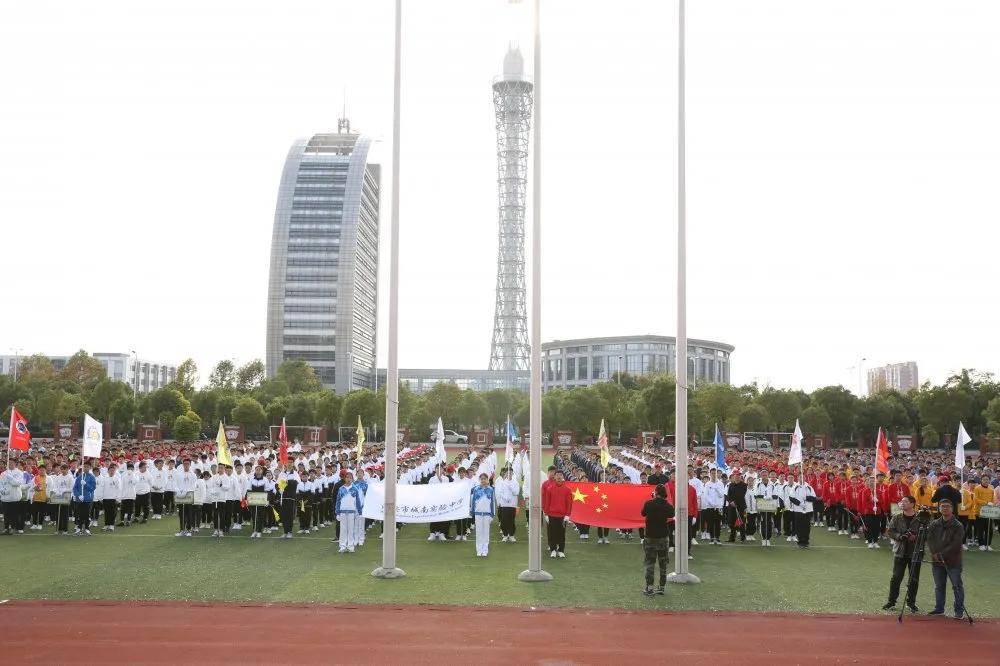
{"type": "Point", "coordinates": [142, 375]}
{"type": "Point", "coordinates": [900, 377]}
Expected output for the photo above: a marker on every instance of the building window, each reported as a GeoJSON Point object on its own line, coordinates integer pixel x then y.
{"type": "Point", "coordinates": [571, 369]}
{"type": "Point", "coordinates": [600, 369]}
{"type": "Point", "coordinates": [581, 365]}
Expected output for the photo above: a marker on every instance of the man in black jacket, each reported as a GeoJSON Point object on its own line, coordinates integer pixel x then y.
{"type": "Point", "coordinates": [658, 513]}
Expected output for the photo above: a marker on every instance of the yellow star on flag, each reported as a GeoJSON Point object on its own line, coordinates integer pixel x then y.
{"type": "Point", "coordinates": [604, 497]}
{"type": "Point", "coordinates": [579, 496]}
{"type": "Point", "coordinates": [596, 489]}
{"type": "Point", "coordinates": [597, 510]}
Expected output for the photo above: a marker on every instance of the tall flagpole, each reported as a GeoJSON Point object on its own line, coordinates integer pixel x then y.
{"type": "Point", "coordinates": [681, 573]}
{"type": "Point", "coordinates": [534, 572]}
{"type": "Point", "coordinates": [389, 568]}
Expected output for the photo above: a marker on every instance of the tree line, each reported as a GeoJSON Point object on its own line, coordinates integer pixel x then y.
{"type": "Point", "coordinates": [243, 395]}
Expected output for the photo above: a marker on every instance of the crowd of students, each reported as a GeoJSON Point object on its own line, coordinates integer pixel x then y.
{"type": "Point", "coordinates": [325, 487]}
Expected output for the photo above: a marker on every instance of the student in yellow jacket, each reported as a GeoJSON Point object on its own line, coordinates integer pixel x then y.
{"type": "Point", "coordinates": [967, 511]}
{"type": "Point", "coordinates": [922, 490]}
{"type": "Point", "coordinates": [983, 495]}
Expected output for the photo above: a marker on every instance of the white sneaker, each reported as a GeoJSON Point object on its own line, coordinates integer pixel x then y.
{"type": "Point", "coordinates": [350, 549]}
{"type": "Point", "coordinates": [982, 548]}
{"type": "Point", "coordinates": [670, 550]}
{"type": "Point", "coordinates": [553, 554]}
{"type": "Point", "coordinates": [561, 554]}
{"type": "Point", "coordinates": [432, 537]}
{"type": "Point", "coordinates": [513, 539]}
{"type": "Point", "coordinates": [795, 539]}
{"type": "Point", "coordinates": [989, 548]}
{"type": "Point", "coordinates": [855, 536]}
{"type": "Point", "coordinates": [871, 546]}
{"type": "Point", "coordinates": [694, 542]}
{"type": "Point", "coordinates": [87, 532]}
{"type": "Point", "coordinates": [111, 528]}
{"type": "Point", "coordinates": [831, 529]}
{"type": "Point", "coordinates": [788, 538]}
{"type": "Point", "coordinates": [76, 531]}
{"type": "Point", "coordinates": [751, 538]}
{"type": "Point", "coordinates": [877, 546]}
{"type": "Point", "coordinates": [584, 536]}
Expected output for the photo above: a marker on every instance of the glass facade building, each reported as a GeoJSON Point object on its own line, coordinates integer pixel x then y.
{"type": "Point", "coordinates": [323, 286]}
{"type": "Point", "coordinates": [569, 363]}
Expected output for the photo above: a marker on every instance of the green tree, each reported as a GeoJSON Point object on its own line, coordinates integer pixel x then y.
{"type": "Point", "coordinates": [442, 401]}
{"type": "Point", "coordinates": [841, 406]}
{"type": "Point", "coordinates": [942, 407]}
{"type": "Point", "coordinates": [35, 368]}
{"type": "Point", "coordinates": [929, 437]}
{"type": "Point", "coordinates": [500, 403]}
{"type": "Point", "coordinates": [991, 416]}
{"type": "Point", "coordinates": [187, 427]}
{"type": "Point", "coordinates": [276, 409]}
{"type": "Point", "coordinates": [122, 413]}
{"type": "Point", "coordinates": [224, 407]}
{"type": "Point", "coordinates": [783, 407]}
{"type": "Point", "coordinates": [816, 421]}
{"type": "Point", "coordinates": [754, 418]}
{"type": "Point", "coordinates": [186, 378]}
{"type": "Point", "coordinates": [105, 394]}
{"type": "Point", "coordinates": [271, 389]}
{"type": "Point", "coordinates": [205, 404]}
{"type": "Point", "coordinates": [328, 408]}
{"type": "Point", "coordinates": [223, 376]}
{"type": "Point", "coordinates": [83, 369]}
{"type": "Point", "coordinates": [46, 403]}
{"type": "Point", "coordinates": [472, 409]}
{"type": "Point", "coordinates": [299, 375]}
{"type": "Point", "coordinates": [71, 408]}
{"type": "Point", "coordinates": [249, 413]}
{"type": "Point", "coordinates": [301, 410]}
{"type": "Point", "coordinates": [249, 376]}
{"type": "Point", "coordinates": [658, 402]}
{"type": "Point", "coordinates": [364, 403]}
{"type": "Point", "coordinates": [166, 404]}
{"type": "Point", "coordinates": [718, 403]}
{"type": "Point", "coordinates": [884, 410]}
{"type": "Point", "coordinates": [581, 410]}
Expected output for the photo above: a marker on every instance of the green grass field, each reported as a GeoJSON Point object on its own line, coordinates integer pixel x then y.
{"type": "Point", "coordinates": [147, 562]}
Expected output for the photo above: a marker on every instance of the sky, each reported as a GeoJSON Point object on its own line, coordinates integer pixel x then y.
{"type": "Point", "coordinates": [843, 161]}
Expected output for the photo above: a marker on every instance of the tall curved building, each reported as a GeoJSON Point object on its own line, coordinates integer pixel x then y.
{"type": "Point", "coordinates": [322, 294]}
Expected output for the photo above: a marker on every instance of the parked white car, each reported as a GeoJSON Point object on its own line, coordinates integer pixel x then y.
{"type": "Point", "coordinates": [450, 437]}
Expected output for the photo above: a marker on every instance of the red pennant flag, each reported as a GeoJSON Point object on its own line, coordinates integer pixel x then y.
{"type": "Point", "coordinates": [882, 453]}
{"type": "Point", "coordinates": [20, 437]}
{"type": "Point", "coordinates": [283, 449]}
{"type": "Point", "coordinates": [615, 505]}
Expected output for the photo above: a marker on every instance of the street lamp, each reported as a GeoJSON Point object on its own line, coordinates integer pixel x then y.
{"type": "Point", "coordinates": [620, 358]}
{"type": "Point", "coordinates": [17, 360]}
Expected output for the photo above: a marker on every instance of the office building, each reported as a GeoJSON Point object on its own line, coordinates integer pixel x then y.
{"type": "Point", "coordinates": [900, 377]}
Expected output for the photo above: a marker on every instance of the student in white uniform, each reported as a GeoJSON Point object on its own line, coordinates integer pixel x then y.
{"type": "Point", "coordinates": [482, 508]}
{"type": "Point", "coordinates": [143, 487]}
{"type": "Point", "coordinates": [507, 490]}
{"type": "Point", "coordinates": [110, 489]}
{"type": "Point", "coordinates": [128, 495]}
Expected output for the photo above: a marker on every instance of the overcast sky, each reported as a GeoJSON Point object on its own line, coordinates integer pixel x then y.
{"type": "Point", "coordinates": [844, 161]}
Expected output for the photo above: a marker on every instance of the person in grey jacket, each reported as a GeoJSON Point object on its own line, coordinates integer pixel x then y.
{"type": "Point", "coordinates": [944, 541]}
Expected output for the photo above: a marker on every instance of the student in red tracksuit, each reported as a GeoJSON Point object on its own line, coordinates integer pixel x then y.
{"type": "Point", "coordinates": [868, 511]}
{"type": "Point", "coordinates": [897, 489]}
{"type": "Point", "coordinates": [829, 500]}
{"type": "Point", "coordinates": [882, 496]}
{"type": "Point", "coordinates": [853, 503]}
{"type": "Point", "coordinates": [843, 519]}
{"type": "Point", "coordinates": [818, 483]}
{"type": "Point", "coordinates": [692, 512]}
{"type": "Point", "coordinates": [556, 504]}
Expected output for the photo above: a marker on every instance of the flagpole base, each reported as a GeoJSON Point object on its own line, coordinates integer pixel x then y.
{"type": "Point", "coordinates": [686, 578]}
{"type": "Point", "coordinates": [391, 572]}
{"type": "Point", "coordinates": [529, 576]}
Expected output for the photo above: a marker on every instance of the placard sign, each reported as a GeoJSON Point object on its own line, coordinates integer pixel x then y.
{"type": "Point", "coordinates": [256, 498]}
{"type": "Point", "coordinates": [767, 505]}
{"type": "Point", "coordinates": [186, 498]}
{"type": "Point", "coordinates": [990, 512]}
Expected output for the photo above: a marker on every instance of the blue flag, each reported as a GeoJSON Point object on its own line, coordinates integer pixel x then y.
{"type": "Point", "coordinates": [720, 451]}
{"type": "Point", "coordinates": [511, 431]}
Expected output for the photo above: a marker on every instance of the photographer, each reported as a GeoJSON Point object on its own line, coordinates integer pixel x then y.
{"type": "Point", "coordinates": [944, 540]}
{"type": "Point", "coordinates": [903, 531]}
{"type": "Point", "coordinates": [657, 513]}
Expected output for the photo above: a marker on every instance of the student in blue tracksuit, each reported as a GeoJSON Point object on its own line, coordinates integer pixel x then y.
{"type": "Point", "coordinates": [83, 494]}
{"type": "Point", "coordinates": [350, 502]}
{"type": "Point", "coordinates": [482, 508]}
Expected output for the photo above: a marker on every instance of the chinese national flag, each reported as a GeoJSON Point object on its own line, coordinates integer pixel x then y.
{"type": "Point", "coordinates": [617, 505]}
{"type": "Point", "coordinates": [20, 438]}
{"type": "Point", "coordinates": [882, 453]}
{"type": "Point", "coordinates": [283, 449]}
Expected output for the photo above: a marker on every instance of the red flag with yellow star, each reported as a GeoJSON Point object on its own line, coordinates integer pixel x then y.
{"type": "Point", "coordinates": [617, 505]}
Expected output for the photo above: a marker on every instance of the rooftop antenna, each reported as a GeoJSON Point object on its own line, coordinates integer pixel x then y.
{"type": "Point", "coordinates": [343, 124]}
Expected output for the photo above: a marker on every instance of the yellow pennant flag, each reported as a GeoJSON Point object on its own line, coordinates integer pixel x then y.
{"type": "Point", "coordinates": [602, 444]}
{"type": "Point", "coordinates": [222, 455]}
{"type": "Point", "coordinates": [361, 438]}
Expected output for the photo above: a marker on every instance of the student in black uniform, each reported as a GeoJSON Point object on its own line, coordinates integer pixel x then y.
{"type": "Point", "coordinates": [289, 497]}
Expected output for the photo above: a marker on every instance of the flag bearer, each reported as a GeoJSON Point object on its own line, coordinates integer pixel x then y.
{"type": "Point", "coordinates": [482, 508]}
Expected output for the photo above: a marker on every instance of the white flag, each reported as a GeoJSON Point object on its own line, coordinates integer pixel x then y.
{"type": "Point", "coordinates": [963, 439]}
{"type": "Point", "coordinates": [439, 448]}
{"type": "Point", "coordinates": [795, 450]}
{"type": "Point", "coordinates": [93, 437]}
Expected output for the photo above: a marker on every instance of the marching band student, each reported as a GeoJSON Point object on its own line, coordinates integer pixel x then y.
{"type": "Point", "coordinates": [143, 486]}
{"type": "Point", "coordinates": [260, 484]}
{"type": "Point", "coordinates": [83, 494]}
{"type": "Point", "coordinates": [801, 498]}
{"type": "Point", "coordinates": [157, 484]}
{"type": "Point", "coordinates": [350, 502]}
{"type": "Point", "coordinates": [714, 492]}
{"type": "Point", "coordinates": [110, 491]}
{"type": "Point", "coordinates": [288, 496]}
{"type": "Point", "coordinates": [507, 490]}
{"type": "Point", "coordinates": [183, 484]}
{"type": "Point", "coordinates": [128, 495]}
{"type": "Point", "coordinates": [482, 509]}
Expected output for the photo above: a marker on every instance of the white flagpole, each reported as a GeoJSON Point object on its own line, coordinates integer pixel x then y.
{"type": "Point", "coordinates": [534, 572]}
{"type": "Point", "coordinates": [389, 568]}
{"type": "Point", "coordinates": [681, 573]}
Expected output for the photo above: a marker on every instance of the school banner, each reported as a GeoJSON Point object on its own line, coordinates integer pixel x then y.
{"type": "Point", "coordinates": [427, 503]}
